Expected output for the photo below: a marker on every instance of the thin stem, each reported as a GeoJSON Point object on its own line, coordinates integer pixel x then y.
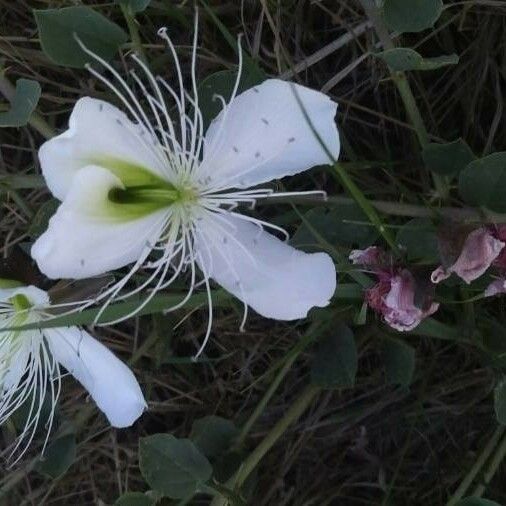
{"type": "Point", "coordinates": [134, 31]}
{"type": "Point", "coordinates": [401, 82]}
{"type": "Point", "coordinates": [497, 458]}
{"type": "Point", "coordinates": [247, 467]}
{"type": "Point", "coordinates": [290, 359]}
{"type": "Point", "coordinates": [480, 462]}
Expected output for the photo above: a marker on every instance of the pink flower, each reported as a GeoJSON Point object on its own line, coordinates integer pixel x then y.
{"type": "Point", "coordinates": [394, 295]}
{"type": "Point", "coordinates": [481, 248]}
{"type": "Point", "coordinates": [497, 287]}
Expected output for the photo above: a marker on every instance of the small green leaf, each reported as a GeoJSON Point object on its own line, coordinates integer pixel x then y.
{"type": "Point", "coordinates": [41, 219]}
{"type": "Point", "coordinates": [222, 84]}
{"type": "Point", "coordinates": [23, 104]}
{"type": "Point", "coordinates": [399, 360]}
{"type": "Point", "coordinates": [58, 29]}
{"type": "Point", "coordinates": [448, 159]}
{"type": "Point", "coordinates": [411, 15]}
{"type": "Point", "coordinates": [213, 435]}
{"type": "Point", "coordinates": [134, 499]}
{"type": "Point", "coordinates": [483, 182]}
{"type": "Point", "coordinates": [174, 467]}
{"type": "Point", "coordinates": [335, 362]}
{"type": "Point", "coordinates": [476, 501]}
{"type": "Point", "coordinates": [500, 401]}
{"type": "Point", "coordinates": [344, 224]}
{"type": "Point", "coordinates": [134, 5]}
{"type": "Point", "coordinates": [58, 456]}
{"type": "Point", "coordinates": [403, 58]}
{"type": "Point", "coordinates": [419, 239]}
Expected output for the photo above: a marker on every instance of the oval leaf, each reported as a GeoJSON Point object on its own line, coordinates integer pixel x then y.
{"type": "Point", "coordinates": [23, 104]}
{"type": "Point", "coordinates": [58, 456]}
{"type": "Point", "coordinates": [213, 435]}
{"type": "Point", "coordinates": [399, 360]}
{"type": "Point", "coordinates": [403, 58]}
{"type": "Point", "coordinates": [483, 182]}
{"type": "Point", "coordinates": [134, 499]}
{"type": "Point", "coordinates": [335, 361]}
{"type": "Point", "coordinates": [58, 29]}
{"type": "Point", "coordinates": [171, 466]}
{"type": "Point", "coordinates": [418, 239]}
{"type": "Point", "coordinates": [448, 159]}
{"type": "Point", "coordinates": [411, 15]}
{"type": "Point", "coordinates": [500, 401]}
{"type": "Point", "coordinates": [134, 5]}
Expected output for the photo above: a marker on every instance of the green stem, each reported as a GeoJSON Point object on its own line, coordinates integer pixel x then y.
{"type": "Point", "coordinates": [290, 359]}
{"type": "Point", "coordinates": [365, 205]}
{"type": "Point", "coordinates": [247, 467]}
{"type": "Point", "coordinates": [492, 468]}
{"type": "Point", "coordinates": [480, 462]}
{"type": "Point", "coordinates": [133, 28]}
{"type": "Point", "coordinates": [401, 82]}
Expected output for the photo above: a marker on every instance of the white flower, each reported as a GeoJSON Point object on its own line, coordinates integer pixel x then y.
{"type": "Point", "coordinates": [30, 362]}
{"type": "Point", "coordinates": [150, 189]}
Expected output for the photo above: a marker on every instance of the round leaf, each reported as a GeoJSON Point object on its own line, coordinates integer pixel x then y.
{"type": "Point", "coordinates": [23, 103]}
{"type": "Point", "coordinates": [399, 360]}
{"type": "Point", "coordinates": [58, 456]}
{"type": "Point", "coordinates": [171, 466]}
{"type": "Point", "coordinates": [134, 499]}
{"type": "Point", "coordinates": [418, 238]}
{"type": "Point", "coordinates": [58, 29]}
{"type": "Point", "coordinates": [213, 435]}
{"type": "Point", "coordinates": [134, 5]}
{"type": "Point", "coordinates": [447, 159]}
{"type": "Point", "coordinates": [483, 182]}
{"type": "Point", "coordinates": [335, 362]}
{"type": "Point", "coordinates": [411, 15]}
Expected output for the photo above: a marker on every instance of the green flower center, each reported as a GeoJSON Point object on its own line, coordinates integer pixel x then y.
{"type": "Point", "coordinates": [20, 302]}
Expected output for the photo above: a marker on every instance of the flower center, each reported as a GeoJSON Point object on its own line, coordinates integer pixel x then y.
{"type": "Point", "coordinates": [20, 302]}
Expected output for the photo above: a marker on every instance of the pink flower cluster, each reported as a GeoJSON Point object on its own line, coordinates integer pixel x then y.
{"type": "Point", "coordinates": [404, 302]}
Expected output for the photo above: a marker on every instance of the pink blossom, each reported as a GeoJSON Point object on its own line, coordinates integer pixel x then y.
{"type": "Point", "coordinates": [394, 295]}
{"type": "Point", "coordinates": [481, 248]}
{"type": "Point", "coordinates": [497, 287]}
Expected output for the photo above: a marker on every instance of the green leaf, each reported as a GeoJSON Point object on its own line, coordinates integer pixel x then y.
{"type": "Point", "coordinates": [419, 239]}
{"type": "Point", "coordinates": [483, 182]}
{"type": "Point", "coordinates": [399, 360]}
{"type": "Point", "coordinates": [41, 219]}
{"type": "Point", "coordinates": [213, 435]}
{"type": "Point", "coordinates": [222, 84]}
{"type": "Point", "coordinates": [134, 5]}
{"type": "Point", "coordinates": [134, 499]}
{"type": "Point", "coordinates": [500, 401]}
{"type": "Point", "coordinates": [174, 467]}
{"type": "Point", "coordinates": [448, 159]}
{"type": "Point", "coordinates": [476, 501]}
{"type": "Point", "coordinates": [344, 224]}
{"type": "Point", "coordinates": [403, 58]}
{"type": "Point", "coordinates": [24, 102]}
{"type": "Point", "coordinates": [335, 361]}
{"type": "Point", "coordinates": [411, 15]}
{"type": "Point", "coordinates": [9, 283]}
{"type": "Point", "coordinates": [58, 29]}
{"type": "Point", "coordinates": [58, 456]}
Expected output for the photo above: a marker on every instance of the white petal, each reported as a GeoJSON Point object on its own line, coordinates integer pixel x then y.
{"type": "Point", "coordinates": [83, 240]}
{"type": "Point", "coordinates": [276, 280]}
{"type": "Point", "coordinates": [35, 296]}
{"type": "Point", "coordinates": [108, 380]}
{"type": "Point", "coordinates": [265, 135]}
{"type": "Point", "coordinates": [97, 130]}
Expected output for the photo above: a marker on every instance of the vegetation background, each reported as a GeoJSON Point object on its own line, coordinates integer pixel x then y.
{"type": "Point", "coordinates": [350, 415]}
